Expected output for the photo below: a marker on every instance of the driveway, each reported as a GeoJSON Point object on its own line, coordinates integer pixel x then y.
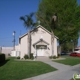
{"type": "Point", "coordinates": [64, 72]}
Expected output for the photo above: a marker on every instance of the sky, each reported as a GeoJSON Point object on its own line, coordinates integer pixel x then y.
{"type": "Point", "coordinates": [10, 12]}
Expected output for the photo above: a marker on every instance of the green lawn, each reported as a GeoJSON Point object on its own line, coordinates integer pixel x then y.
{"type": "Point", "coordinates": [18, 70]}
{"type": "Point", "coordinates": [69, 60]}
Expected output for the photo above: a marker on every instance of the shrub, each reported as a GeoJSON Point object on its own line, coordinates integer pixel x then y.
{"type": "Point", "coordinates": [54, 57]}
{"type": "Point", "coordinates": [26, 56]}
{"type": "Point", "coordinates": [18, 57]}
{"type": "Point", "coordinates": [9, 54]}
{"type": "Point", "coordinates": [59, 55]}
{"type": "Point", "coordinates": [2, 57]}
{"type": "Point", "coordinates": [31, 56]}
{"type": "Point", "coordinates": [50, 57]}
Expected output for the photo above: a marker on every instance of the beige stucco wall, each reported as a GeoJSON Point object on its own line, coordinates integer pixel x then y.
{"type": "Point", "coordinates": [41, 33]}
{"type": "Point", "coordinates": [17, 47]}
{"type": "Point", "coordinates": [45, 36]}
{"type": "Point", "coordinates": [24, 46]}
{"type": "Point", "coordinates": [7, 50]}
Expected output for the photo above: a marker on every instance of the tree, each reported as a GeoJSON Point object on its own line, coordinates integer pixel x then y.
{"type": "Point", "coordinates": [28, 23]}
{"type": "Point", "coordinates": [53, 26]}
{"type": "Point", "coordinates": [68, 19]}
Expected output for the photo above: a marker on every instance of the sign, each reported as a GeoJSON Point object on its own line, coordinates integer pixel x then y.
{"type": "Point", "coordinates": [76, 76]}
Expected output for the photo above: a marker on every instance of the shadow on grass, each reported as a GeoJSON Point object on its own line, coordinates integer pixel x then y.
{"type": "Point", "coordinates": [3, 63]}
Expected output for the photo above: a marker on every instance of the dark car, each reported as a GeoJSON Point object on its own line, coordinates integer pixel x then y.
{"type": "Point", "coordinates": [63, 53]}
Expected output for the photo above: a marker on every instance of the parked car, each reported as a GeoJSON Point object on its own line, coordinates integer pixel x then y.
{"type": "Point", "coordinates": [75, 54]}
{"type": "Point", "coordinates": [63, 53]}
{"type": "Point", "coordinates": [78, 54]}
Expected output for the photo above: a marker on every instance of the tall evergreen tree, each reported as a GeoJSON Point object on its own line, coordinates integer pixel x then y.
{"type": "Point", "coordinates": [68, 19]}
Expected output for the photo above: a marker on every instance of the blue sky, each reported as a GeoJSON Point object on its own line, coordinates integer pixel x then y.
{"type": "Point", "coordinates": [10, 12]}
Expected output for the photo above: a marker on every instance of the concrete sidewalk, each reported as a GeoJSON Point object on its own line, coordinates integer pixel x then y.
{"type": "Point", "coordinates": [64, 72]}
{"type": "Point", "coordinates": [59, 66]}
{"type": "Point", "coordinates": [57, 75]}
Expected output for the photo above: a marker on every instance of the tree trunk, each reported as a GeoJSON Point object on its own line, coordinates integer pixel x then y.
{"type": "Point", "coordinates": [73, 47]}
{"type": "Point", "coordinates": [59, 49]}
{"type": "Point", "coordinates": [52, 42]}
{"type": "Point", "coordinates": [29, 43]}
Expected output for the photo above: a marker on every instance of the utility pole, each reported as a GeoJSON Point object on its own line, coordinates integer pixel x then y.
{"type": "Point", "coordinates": [14, 40]}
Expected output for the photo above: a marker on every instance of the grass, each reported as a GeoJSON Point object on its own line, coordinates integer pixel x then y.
{"type": "Point", "coordinates": [69, 60]}
{"type": "Point", "coordinates": [18, 70]}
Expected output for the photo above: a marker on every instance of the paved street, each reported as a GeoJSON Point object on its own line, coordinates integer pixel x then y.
{"type": "Point", "coordinates": [64, 72]}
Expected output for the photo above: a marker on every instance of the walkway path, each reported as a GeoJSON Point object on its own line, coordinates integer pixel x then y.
{"type": "Point", "coordinates": [64, 72]}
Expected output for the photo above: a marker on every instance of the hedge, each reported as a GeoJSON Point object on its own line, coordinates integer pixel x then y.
{"type": "Point", "coordinates": [2, 57]}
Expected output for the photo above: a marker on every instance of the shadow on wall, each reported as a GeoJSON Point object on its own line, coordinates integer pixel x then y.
{"type": "Point", "coordinates": [3, 63]}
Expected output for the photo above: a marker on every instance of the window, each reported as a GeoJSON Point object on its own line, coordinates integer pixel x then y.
{"type": "Point", "coordinates": [41, 46]}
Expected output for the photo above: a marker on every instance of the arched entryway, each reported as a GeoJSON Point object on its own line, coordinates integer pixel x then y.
{"type": "Point", "coordinates": [41, 50]}
{"type": "Point", "coordinates": [40, 47]}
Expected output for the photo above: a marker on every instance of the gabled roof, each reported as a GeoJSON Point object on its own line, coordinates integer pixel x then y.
{"type": "Point", "coordinates": [41, 40]}
{"type": "Point", "coordinates": [39, 26]}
